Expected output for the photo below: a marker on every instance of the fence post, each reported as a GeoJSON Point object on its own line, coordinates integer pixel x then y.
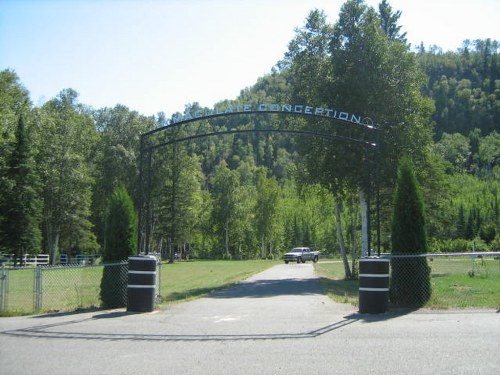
{"type": "Point", "coordinates": [158, 282]}
{"type": "Point", "coordinates": [3, 289]}
{"type": "Point", "coordinates": [38, 288]}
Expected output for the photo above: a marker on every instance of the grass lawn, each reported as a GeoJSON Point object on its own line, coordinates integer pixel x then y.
{"type": "Point", "coordinates": [63, 289]}
{"type": "Point", "coordinates": [453, 285]}
{"type": "Point", "coordinates": [182, 281]}
{"type": "Point", "coordinates": [333, 283]}
{"type": "Point", "coordinates": [67, 289]}
{"type": "Point", "coordinates": [71, 288]}
{"type": "Point", "coordinates": [20, 291]}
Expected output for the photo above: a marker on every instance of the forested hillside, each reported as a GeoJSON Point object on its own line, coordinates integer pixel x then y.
{"type": "Point", "coordinates": [257, 194]}
{"type": "Point", "coordinates": [465, 87]}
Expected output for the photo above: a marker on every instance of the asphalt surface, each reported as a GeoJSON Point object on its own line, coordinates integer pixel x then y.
{"type": "Point", "coordinates": [277, 322]}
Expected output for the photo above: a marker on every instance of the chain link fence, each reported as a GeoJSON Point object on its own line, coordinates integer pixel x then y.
{"type": "Point", "coordinates": [61, 288]}
{"type": "Point", "coordinates": [432, 280]}
{"type": "Point", "coordinates": [445, 280]}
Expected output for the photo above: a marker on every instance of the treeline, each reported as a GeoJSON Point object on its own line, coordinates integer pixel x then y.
{"type": "Point", "coordinates": [253, 195]}
{"type": "Point", "coordinates": [236, 196]}
{"type": "Point", "coordinates": [465, 87]}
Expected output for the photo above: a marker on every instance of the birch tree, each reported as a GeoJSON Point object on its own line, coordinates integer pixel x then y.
{"type": "Point", "coordinates": [367, 69]}
{"type": "Point", "coordinates": [67, 140]}
{"type": "Point", "coordinates": [266, 207]}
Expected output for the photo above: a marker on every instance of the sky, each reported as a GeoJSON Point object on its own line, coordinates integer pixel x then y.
{"type": "Point", "coordinates": [159, 55]}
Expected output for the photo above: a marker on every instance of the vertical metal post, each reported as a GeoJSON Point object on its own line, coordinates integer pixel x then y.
{"type": "Point", "coordinates": [148, 204]}
{"type": "Point", "coordinates": [378, 188]}
{"type": "Point", "coordinates": [473, 258]}
{"type": "Point", "coordinates": [3, 289]}
{"type": "Point", "coordinates": [38, 288]}
{"type": "Point", "coordinates": [365, 198]}
{"type": "Point", "coordinates": [141, 198]}
{"type": "Point", "coordinates": [158, 281]}
{"type": "Point", "coordinates": [369, 226]}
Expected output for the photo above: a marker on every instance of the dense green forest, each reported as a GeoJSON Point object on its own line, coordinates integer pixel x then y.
{"type": "Point", "coordinates": [257, 194]}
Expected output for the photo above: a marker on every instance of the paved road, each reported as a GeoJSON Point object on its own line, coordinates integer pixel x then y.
{"type": "Point", "coordinates": [277, 322]}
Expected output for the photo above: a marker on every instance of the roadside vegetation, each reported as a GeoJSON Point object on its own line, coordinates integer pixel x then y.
{"type": "Point", "coordinates": [254, 195]}
{"type": "Point", "coordinates": [183, 281]}
{"type": "Point", "coordinates": [456, 283]}
{"type": "Point", "coordinates": [69, 289]}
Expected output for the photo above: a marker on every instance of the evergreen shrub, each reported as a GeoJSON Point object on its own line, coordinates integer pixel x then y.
{"type": "Point", "coordinates": [410, 278]}
{"type": "Point", "coordinates": [120, 243]}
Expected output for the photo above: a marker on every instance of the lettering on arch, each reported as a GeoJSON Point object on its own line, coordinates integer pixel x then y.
{"type": "Point", "coordinates": [302, 109]}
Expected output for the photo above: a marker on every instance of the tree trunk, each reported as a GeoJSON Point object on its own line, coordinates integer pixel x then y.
{"type": "Point", "coordinates": [52, 238]}
{"type": "Point", "coordinates": [226, 230]}
{"type": "Point", "coordinates": [53, 248]}
{"type": "Point", "coordinates": [353, 249]}
{"type": "Point", "coordinates": [365, 224]}
{"type": "Point", "coordinates": [343, 252]}
{"type": "Point", "coordinates": [263, 248]}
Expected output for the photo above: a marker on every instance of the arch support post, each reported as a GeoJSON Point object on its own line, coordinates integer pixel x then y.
{"type": "Point", "coordinates": [365, 223]}
{"type": "Point", "coordinates": [144, 222]}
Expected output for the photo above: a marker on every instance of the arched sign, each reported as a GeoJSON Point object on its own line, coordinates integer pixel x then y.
{"type": "Point", "coordinates": [297, 109]}
{"type": "Point", "coordinates": [358, 130]}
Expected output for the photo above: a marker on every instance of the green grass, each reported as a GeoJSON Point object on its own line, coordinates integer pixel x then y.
{"type": "Point", "coordinates": [333, 283]}
{"type": "Point", "coordinates": [69, 289]}
{"type": "Point", "coordinates": [183, 281]}
{"type": "Point", "coordinates": [21, 286]}
{"type": "Point", "coordinates": [64, 289]}
{"type": "Point", "coordinates": [453, 285]}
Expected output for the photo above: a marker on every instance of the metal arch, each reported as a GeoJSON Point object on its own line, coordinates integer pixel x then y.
{"type": "Point", "coordinates": [147, 151]}
{"type": "Point", "coordinates": [296, 132]}
{"type": "Point", "coordinates": [366, 122]}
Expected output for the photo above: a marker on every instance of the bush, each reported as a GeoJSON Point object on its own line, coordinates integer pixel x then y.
{"type": "Point", "coordinates": [487, 233]}
{"type": "Point", "coordinates": [121, 227]}
{"type": "Point", "coordinates": [114, 286]}
{"type": "Point", "coordinates": [458, 245]}
{"type": "Point", "coordinates": [121, 242]}
{"type": "Point", "coordinates": [495, 244]}
{"type": "Point", "coordinates": [227, 256]}
{"type": "Point", "coordinates": [410, 281]}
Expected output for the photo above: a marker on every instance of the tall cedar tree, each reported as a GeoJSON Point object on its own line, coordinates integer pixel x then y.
{"type": "Point", "coordinates": [410, 283]}
{"type": "Point", "coordinates": [121, 242]}
{"type": "Point", "coordinates": [121, 227]}
{"type": "Point", "coordinates": [22, 208]}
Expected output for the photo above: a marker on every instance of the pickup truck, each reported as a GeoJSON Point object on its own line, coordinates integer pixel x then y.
{"type": "Point", "coordinates": [300, 255]}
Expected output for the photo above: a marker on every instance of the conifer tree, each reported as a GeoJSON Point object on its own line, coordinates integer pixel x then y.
{"type": "Point", "coordinates": [469, 229]}
{"type": "Point", "coordinates": [121, 227]}
{"type": "Point", "coordinates": [410, 282]}
{"type": "Point", "coordinates": [22, 208]}
{"type": "Point", "coordinates": [120, 243]}
{"type": "Point", "coordinates": [461, 222]}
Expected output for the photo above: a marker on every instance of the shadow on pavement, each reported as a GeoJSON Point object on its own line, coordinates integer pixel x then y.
{"type": "Point", "coordinates": [373, 318]}
{"type": "Point", "coordinates": [271, 288]}
{"type": "Point", "coordinates": [114, 314]}
{"type": "Point", "coordinates": [254, 289]}
{"type": "Point", "coordinates": [50, 331]}
{"type": "Point", "coordinates": [65, 313]}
